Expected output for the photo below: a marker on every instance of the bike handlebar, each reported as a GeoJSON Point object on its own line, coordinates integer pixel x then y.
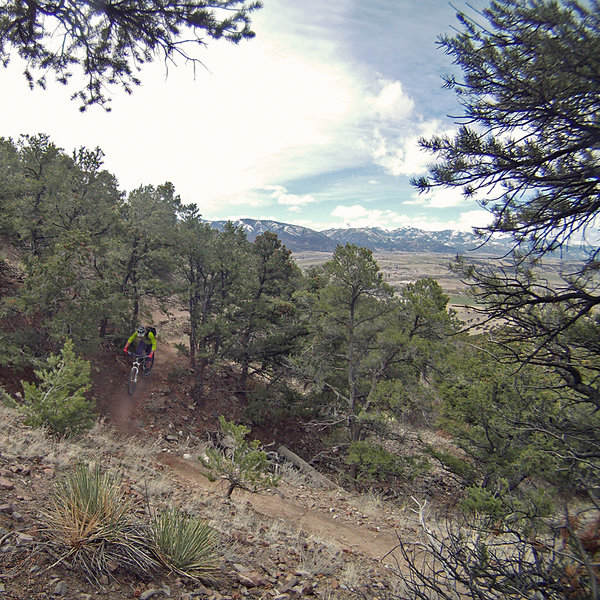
{"type": "Point", "coordinates": [138, 355]}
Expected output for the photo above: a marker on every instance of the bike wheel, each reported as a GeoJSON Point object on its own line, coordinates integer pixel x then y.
{"type": "Point", "coordinates": [131, 383]}
{"type": "Point", "coordinates": [148, 365]}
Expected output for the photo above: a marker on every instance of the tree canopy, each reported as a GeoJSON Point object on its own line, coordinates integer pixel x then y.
{"type": "Point", "coordinates": [108, 42]}
{"type": "Point", "coordinates": [528, 142]}
{"type": "Point", "coordinates": [527, 150]}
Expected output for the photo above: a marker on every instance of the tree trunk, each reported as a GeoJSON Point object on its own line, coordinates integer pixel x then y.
{"type": "Point", "coordinates": [320, 479]}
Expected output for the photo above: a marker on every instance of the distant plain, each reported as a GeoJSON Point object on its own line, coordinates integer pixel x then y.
{"type": "Point", "coordinates": [400, 268]}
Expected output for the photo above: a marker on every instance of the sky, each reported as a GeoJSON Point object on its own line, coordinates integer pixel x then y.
{"type": "Point", "coordinates": [314, 122]}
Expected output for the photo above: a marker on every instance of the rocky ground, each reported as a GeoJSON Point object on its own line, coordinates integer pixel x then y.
{"type": "Point", "coordinates": [296, 541]}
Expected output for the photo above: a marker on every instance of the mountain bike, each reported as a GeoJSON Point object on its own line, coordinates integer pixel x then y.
{"type": "Point", "coordinates": [142, 362]}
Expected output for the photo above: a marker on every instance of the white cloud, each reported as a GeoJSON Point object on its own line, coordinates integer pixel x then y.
{"type": "Point", "coordinates": [391, 103]}
{"type": "Point", "coordinates": [399, 156]}
{"type": "Point", "coordinates": [284, 198]}
{"type": "Point", "coordinates": [393, 140]}
{"type": "Point", "coordinates": [359, 216]}
{"type": "Point", "coordinates": [438, 198]}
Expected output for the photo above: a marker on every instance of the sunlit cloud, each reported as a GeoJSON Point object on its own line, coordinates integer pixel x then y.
{"type": "Point", "coordinates": [438, 198]}
{"type": "Point", "coordinates": [284, 198]}
{"type": "Point", "coordinates": [391, 103]}
{"type": "Point", "coordinates": [360, 216]}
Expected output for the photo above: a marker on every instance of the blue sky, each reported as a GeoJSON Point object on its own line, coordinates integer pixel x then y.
{"type": "Point", "coordinates": [314, 122]}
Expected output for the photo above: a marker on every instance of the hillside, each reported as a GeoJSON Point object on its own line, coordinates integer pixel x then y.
{"type": "Point", "coordinates": [294, 541]}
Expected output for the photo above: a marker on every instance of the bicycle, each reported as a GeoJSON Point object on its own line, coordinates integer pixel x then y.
{"type": "Point", "coordinates": [141, 361]}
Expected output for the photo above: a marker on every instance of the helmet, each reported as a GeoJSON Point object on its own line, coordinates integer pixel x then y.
{"type": "Point", "coordinates": [141, 330]}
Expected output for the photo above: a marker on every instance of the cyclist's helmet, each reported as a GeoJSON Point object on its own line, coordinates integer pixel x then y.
{"type": "Point", "coordinates": [141, 331]}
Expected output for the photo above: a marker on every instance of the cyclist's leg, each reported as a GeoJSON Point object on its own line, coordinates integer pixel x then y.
{"type": "Point", "coordinates": [148, 362]}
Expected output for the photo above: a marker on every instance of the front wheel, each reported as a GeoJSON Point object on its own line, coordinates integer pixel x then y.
{"type": "Point", "coordinates": [131, 383]}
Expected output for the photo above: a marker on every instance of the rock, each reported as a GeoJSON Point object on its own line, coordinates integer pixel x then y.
{"type": "Point", "coordinates": [156, 406]}
{"type": "Point", "coordinates": [308, 589]}
{"type": "Point", "coordinates": [250, 579]}
{"type": "Point", "coordinates": [18, 517]}
{"type": "Point", "coordinates": [5, 484]}
{"type": "Point", "coordinates": [149, 593]}
{"type": "Point", "coordinates": [7, 509]}
{"type": "Point", "coordinates": [60, 589]}
{"type": "Point", "coordinates": [289, 582]}
{"type": "Point", "coordinates": [202, 590]}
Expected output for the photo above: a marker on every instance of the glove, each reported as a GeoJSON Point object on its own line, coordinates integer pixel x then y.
{"type": "Point", "coordinates": [126, 348]}
{"type": "Point", "coordinates": [151, 354]}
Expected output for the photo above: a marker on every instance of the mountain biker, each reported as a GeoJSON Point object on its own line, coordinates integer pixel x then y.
{"type": "Point", "coordinates": [146, 344]}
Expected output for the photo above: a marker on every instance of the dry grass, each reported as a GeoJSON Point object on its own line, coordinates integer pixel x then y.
{"type": "Point", "coordinates": [317, 558]}
{"type": "Point", "coordinates": [370, 503]}
{"type": "Point", "coordinates": [293, 476]}
{"type": "Point", "coordinates": [351, 575]}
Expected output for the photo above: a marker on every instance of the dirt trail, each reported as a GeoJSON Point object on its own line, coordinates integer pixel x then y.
{"type": "Point", "coordinates": [127, 415]}
{"type": "Point", "coordinates": [374, 545]}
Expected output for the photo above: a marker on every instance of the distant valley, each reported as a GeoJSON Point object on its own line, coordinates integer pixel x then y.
{"type": "Point", "coordinates": [404, 254]}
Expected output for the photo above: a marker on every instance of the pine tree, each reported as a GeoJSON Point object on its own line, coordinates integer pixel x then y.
{"type": "Point", "coordinates": [243, 464]}
{"type": "Point", "coordinates": [58, 401]}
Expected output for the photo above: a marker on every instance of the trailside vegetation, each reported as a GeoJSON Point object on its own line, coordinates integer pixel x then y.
{"type": "Point", "coordinates": [523, 403]}
{"type": "Point", "coordinates": [241, 462]}
{"type": "Point", "coordinates": [58, 400]}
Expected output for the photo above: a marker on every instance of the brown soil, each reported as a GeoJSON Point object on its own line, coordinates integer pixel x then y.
{"type": "Point", "coordinates": [130, 418]}
{"type": "Point", "coordinates": [310, 520]}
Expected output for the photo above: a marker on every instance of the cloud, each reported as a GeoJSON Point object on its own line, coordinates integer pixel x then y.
{"type": "Point", "coordinates": [438, 198]}
{"type": "Point", "coordinates": [395, 129]}
{"type": "Point", "coordinates": [391, 103]}
{"type": "Point", "coordinates": [284, 198]}
{"type": "Point", "coordinates": [398, 156]}
{"type": "Point", "coordinates": [357, 215]}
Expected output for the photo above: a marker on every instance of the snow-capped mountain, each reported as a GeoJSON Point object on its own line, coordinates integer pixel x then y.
{"type": "Point", "coordinates": [293, 237]}
{"type": "Point", "coordinates": [407, 239]}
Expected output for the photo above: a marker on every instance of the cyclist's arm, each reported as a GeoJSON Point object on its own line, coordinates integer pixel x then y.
{"type": "Point", "coordinates": [132, 338]}
{"type": "Point", "coordinates": [153, 340]}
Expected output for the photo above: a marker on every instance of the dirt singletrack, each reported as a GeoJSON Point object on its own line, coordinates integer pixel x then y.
{"type": "Point", "coordinates": [128, 415]}
{"type": "Point", "coordinates": [351, 538]}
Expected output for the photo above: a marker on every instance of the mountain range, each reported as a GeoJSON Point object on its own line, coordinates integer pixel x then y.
{"type": "Point", "coordinates": [405, 239]}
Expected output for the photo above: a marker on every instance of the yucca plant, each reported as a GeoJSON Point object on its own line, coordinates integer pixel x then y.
{"type": "Point", "coordinates": [185, 544]}
{"type": "Point", "coordinates": [91, 528]}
